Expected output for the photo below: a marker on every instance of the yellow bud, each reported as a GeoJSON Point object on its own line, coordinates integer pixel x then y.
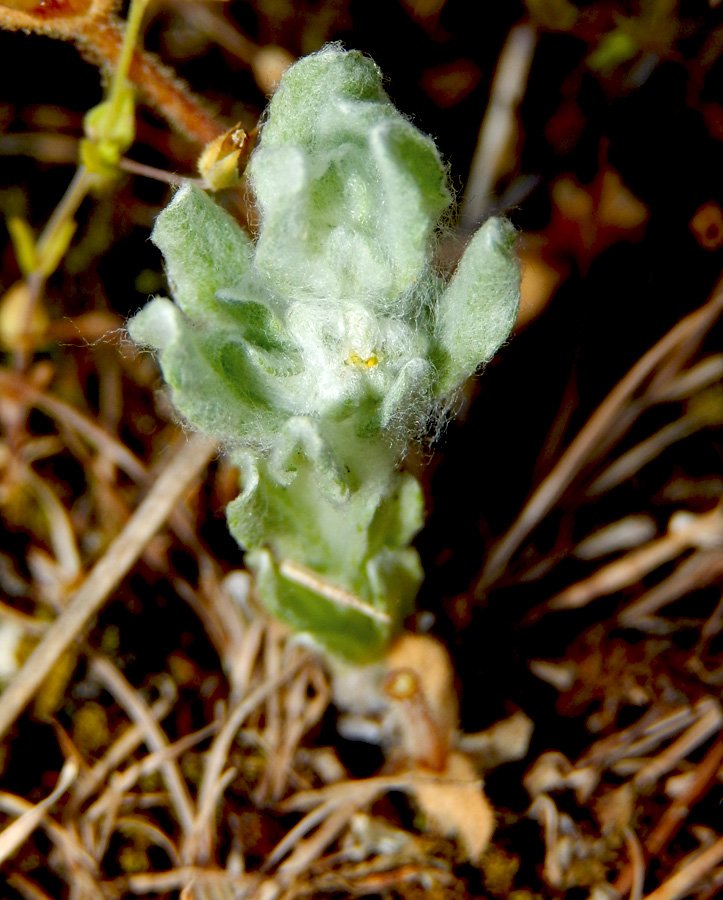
{"type": "Point", "coordinates": [23, 321]}
{"type": "Point", "coordinates": [96, 161]}
{"type": "Point", "coordinates": [222, 161]}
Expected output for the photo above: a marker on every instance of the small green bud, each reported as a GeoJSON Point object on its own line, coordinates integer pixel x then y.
{"type": "Point", "coordinates": [110, 129]}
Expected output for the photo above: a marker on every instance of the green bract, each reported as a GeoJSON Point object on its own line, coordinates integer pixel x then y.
{"type": "Point", "coordinates": [320, 350]}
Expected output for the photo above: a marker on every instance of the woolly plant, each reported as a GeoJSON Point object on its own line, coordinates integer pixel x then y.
{"type": "Point", "coordinates": [318, 351]}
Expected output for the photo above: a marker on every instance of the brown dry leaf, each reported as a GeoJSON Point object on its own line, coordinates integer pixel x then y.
{"type": "Point", "coordinates": [614, 810]}
{"type": "Point", "coordinates": [504, 741]}
{"type": "Point", "coordinates": [426, 720]}
{"type": "Point", "coordinates": [456, 805]}
{"type": "Point", "coordinates": [588, 219]}
{"type": "Point", "coordinates": [430, 662]}
{"type": "Point", "coordinates": [422, 714]}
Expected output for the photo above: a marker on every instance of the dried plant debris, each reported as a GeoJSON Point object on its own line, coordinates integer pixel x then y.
{"type": "Point", "coordinates": [549, 724]}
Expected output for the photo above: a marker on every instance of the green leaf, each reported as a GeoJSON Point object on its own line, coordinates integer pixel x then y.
{"type": "Point", "coordinates": [349, 190]}
{"type": "Point", "coordinates": [406, 401]}
{"type": "Point", "coordinates": [204, 248]}
{"type": "Point", "coordinates": [307, 515]}
{"type": "Point", "coordinates": [477, 311]}
{"type": "Point", "coordinates": [300, 443]}
{"type": "Point", "coordinates": [399, 518]}
{"type": "Point", "coordinates": [358, 636]}
{"type": "Point", "coordinates": [215, 384]}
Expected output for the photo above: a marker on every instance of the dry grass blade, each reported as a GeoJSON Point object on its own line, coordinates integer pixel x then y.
{"type": "Point", "coordinates": [304, 703]}
{"type": "Point", "coordinates": [643, 737]}
{"type": "Point", "coordinates": [646, 451]}
{"type": "Point", "coordinates": [308, 850]}
{"type": "Point", "coordinates": [89, 782]}
{"type": "Point", "coordinates": [636, 564]}
{"type": "Point", "coordinates": [621, 573]}
{"type": "Point", "coordinates": [26, 888]}
{"type": "Point", "coordinates": [346, 791]}
{"type": "Point", "coordinates": [709, 723]}
{"type": "Point", "coordinates": [675, 815]}
{"type": "Point", "coordinates": [122, 782]}
{"type": "Point", "coordinates": [74, 857]}
{"type": "Point", "coordinates": [17, 387]}
{"type": "Point", "coordinates": [691, 874]}
{"type": "Point", "coordinates": [183, 878]}
{"type": "Point", "coordinates": [62, 533]}
{"type": "Point", "coordinates": [108, 572]}
{"type": "Point", "coordinates": [695, 378]}
{"type": "Point", "coordinates": [67, 416]}
{"type": "Point", "coordinates": [331, 808]}
{"type": "Point", "coordinates": [307, 579]}
{"type": "Point", "coordinates": [637, 862]}
{"type": "Point", "coordinates": [29, 624]}
{"type": "Point", "coordinates": [706, 773]}
{"type": "Point", "coordinates": [701, 568]}
{"type": "Point", "coordinates": [153, 736]}
{"type": "Point", "coordinates": [339, 806]}
{"type": "Point", "coordinates": [201, 842]}
{"type": "Point", "coordinates": [135, 825]}
{"type": "Point", "coordinates": [597, 430]}
{"type": "Point", "coordinates": [499, 123]}
{"type": "Point", "coordinates": [16, 834]}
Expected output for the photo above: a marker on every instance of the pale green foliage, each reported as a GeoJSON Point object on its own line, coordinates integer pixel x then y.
{"type": "Point", "coordinates": [318, 352]}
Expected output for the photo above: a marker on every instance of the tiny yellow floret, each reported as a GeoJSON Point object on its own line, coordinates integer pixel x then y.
{"type": "Point", "coordinates": [355, 360]}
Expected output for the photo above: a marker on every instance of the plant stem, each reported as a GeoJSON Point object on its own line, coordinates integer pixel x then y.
{"type": "Point", "coordinates": [74, 195]}
{"type": "Point", "coordinates": [122, 68]}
